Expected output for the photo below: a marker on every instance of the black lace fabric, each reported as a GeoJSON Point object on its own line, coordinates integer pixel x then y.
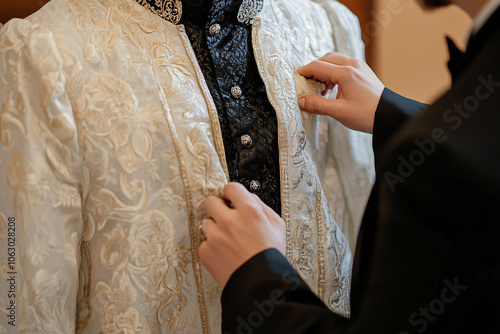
{"type": "Point", "coordinates": [224, 51]}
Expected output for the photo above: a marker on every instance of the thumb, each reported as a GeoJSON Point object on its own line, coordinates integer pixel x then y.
{"type": "Point", "coordinates": [316, 104]}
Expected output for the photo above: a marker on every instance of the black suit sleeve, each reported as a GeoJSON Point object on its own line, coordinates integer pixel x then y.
{"type": "Point", "coordinates": [392, 112]}
{"type": "Point", "coordinates": [267, 295]}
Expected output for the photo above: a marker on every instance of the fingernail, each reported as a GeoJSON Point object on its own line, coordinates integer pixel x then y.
{"type": "Point", "coordinates": [302, 103]}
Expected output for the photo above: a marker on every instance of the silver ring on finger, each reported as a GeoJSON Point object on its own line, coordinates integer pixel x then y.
{"type": "Point", "coordinates": [201, 234]}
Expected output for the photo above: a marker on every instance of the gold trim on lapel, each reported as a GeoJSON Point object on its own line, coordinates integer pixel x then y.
{"type": "Point", "coordinates": [282, 136]}
{"type": "Point", "coordinates": [212, 110]}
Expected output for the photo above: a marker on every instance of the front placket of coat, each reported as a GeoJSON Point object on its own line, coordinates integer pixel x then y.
{"type": "Point", "coordinates": [223, 47]}
{"type": "Point", "coordinates": [301, 188]}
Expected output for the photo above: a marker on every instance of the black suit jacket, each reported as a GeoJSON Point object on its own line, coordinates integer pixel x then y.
{"type": "Point", "coordinates": [428, 253]}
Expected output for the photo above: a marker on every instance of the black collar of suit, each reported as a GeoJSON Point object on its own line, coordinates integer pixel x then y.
{"type": "Point", "coordinates": [459, 60]}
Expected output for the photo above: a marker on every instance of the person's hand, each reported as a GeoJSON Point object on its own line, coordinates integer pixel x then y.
{"type": "Point", "coordinates": [241, 226]}
{"type": "Point", "coordinates": [359, 90]}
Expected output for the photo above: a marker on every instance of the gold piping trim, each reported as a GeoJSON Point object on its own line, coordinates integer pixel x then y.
{"type": "Point", "coordinates": [212, 110]}
{"type": "Point", "coordinates": [283, 147]}
{"type": "Point", "coordinates": [189, 199]}
{"type": "Point", "coordinates": [320, 241]}
{"type": "Point", "coordinates": [86, 291]}
{"type": "Point", "coordinates": [282, 137]}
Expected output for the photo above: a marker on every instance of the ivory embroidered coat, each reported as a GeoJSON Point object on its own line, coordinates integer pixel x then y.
{"type": "Point", "coordinates": [110, 142]}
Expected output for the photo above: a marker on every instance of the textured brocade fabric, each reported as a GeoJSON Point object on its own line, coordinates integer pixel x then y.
{"type": "Point", "coordinates": [227, 60]}
{"type": "Point", "coordinates": [110, 141]}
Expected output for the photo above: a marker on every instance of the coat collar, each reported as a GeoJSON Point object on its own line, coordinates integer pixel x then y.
{"type": "Point", "coordinates": [171, 10]}
{"type": "Point", "coordinates": [484, 15]}
{"type": "Point", "coordinates": [460, 60]}
{"type": "Point", "coordinates": [477, 40]}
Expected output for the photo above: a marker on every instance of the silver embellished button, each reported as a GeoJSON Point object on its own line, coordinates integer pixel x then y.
{"type": "Point", "coordinates": [214, 29]}
{"type": "Point", "coordinates": [246, 140]}
{"type": "Point", "coordinates": [236, 92]}
{"type": "Point", "coordinates": [254, 185]}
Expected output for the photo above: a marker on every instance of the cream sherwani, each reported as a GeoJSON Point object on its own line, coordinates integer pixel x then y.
{"type": "Point", "coordinates": [110, 141]}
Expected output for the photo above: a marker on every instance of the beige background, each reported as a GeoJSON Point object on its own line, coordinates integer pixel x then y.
{"type": "Point", "coordinates": [18, 8]}
{"type": "Point", "coordinates": [406, 45]}
{"type": "Point", "coordinates": [411, 52]}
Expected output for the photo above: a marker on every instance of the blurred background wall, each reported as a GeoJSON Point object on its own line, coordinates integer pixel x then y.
{"type": "Point", "coordinates": [18, 8]}
{"type": "Point", "coordinates": [405, 45]}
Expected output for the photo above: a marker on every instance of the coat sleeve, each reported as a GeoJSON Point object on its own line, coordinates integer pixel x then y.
{"type": "Point", "coordinates": [267, 295]}
{"type": "Point", "coordinates": [40, 185]}
{"type": "Point", "coordinates": [392, 112]}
